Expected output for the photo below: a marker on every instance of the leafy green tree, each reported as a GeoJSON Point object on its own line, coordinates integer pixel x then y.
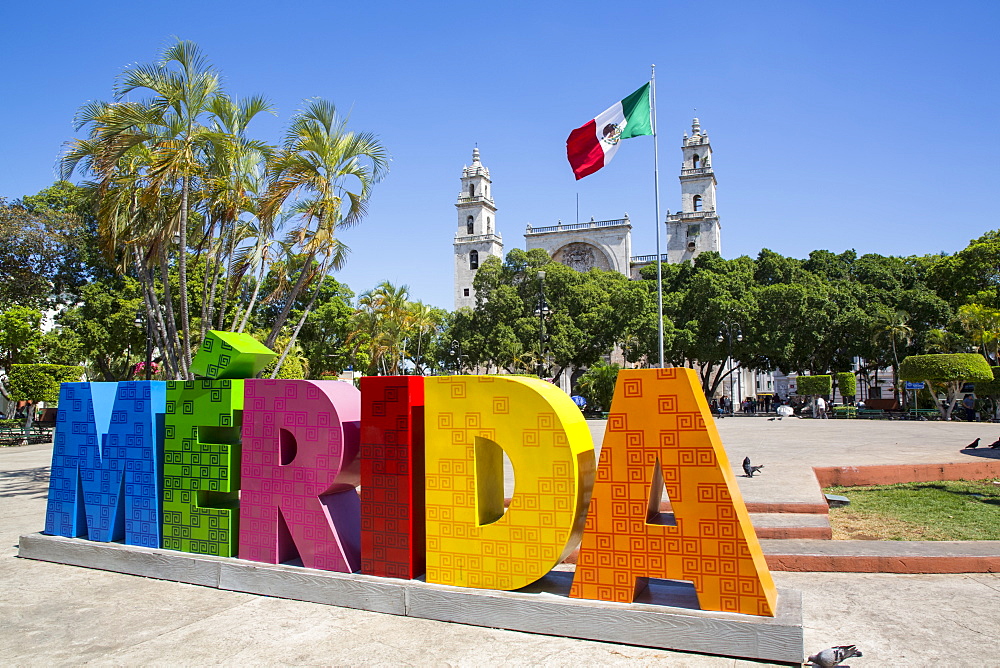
{"type": "Point", "coordinates": [971, 275]}
{"type": "Point", "coordinates": [39, 382]}
{"type": "Point", "coordinates": [586, 314]}
{"type": "Point", "coordinates": [20, 336]}
{"type": "Point", "coordinates": [105, 325]}
{"type": "Point", "coordinates": [62, 346]}
{"type": "Point", "coordinates": [815, 386]}
{"type": "Point", "coordinates": [39, 259]}
{"type": "Point", "coordinates": [597, 385]}
{"type": "Point", "coordinates": [700, 301]}
{"type": "Point", "coordinates": [982, 324]}
{"type": "Point", "coordinates": [990, 392]}
{"type": "Point", "coordinates": [847, 383]}
{"type": "Point", "coordinates": [946, 371]}
{"type": "Point", "coordinates": [324, 336]}
{"type": "Point", "coordinates": [392, 334]}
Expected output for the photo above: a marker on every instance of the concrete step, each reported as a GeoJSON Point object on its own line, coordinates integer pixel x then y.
{"type": "Point", "coordinates": [791, 526]}
{"type": "Point", "coordinates": [883, 556]}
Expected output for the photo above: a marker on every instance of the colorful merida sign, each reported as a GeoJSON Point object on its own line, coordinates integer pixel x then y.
{"type": "Point", "coordinates": [267, 470]}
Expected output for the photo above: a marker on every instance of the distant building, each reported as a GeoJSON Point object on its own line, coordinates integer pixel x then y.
{"type": "Point", "coordinates": [607, 244]}
{"type": "Point", "coordinates": [476, 237]}
{"type": "Point", "coordinates": [604, 244]}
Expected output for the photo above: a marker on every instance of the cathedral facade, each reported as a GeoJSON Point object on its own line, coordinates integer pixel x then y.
{"type": "Point", "coordinates": [604, 244]}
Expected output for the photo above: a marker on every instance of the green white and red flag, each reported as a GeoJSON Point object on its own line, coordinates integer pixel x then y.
{"type": "Point", "coordinates": [592, 146]}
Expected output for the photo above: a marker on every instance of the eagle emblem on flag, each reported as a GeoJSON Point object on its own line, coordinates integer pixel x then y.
{"type": "Point", "coordinates": [612, 133]}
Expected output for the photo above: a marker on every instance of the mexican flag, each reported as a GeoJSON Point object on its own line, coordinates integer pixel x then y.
{"type": "Point", "coordinates": [592, 146]}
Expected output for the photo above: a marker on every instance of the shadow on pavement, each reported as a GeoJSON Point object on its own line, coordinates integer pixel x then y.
{"type": "Point", "coordinates": [32, 483]}
{"type": "Point", "coordinates": [988, 453]}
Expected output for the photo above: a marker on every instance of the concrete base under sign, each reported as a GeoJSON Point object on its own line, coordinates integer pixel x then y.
{"type": "Point", "coordinates": [663, 618]}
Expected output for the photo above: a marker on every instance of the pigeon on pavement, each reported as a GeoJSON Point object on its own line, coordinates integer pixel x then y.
{"type": "Point", "coordinates": [995, 444]}
{"type": "Point", "coordinates": [833, 656]}
{"type": "Point", "coordinates": [972, 446]}
{"type": "Point", "coordinates": [748, 469]}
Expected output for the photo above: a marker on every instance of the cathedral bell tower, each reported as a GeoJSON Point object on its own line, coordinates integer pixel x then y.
{"type": "Point", "coordinates": [476, 238]}
{"type": "Point", "coordinates": [695, 228]}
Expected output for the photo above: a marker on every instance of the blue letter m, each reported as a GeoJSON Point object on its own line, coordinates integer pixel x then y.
{"type": "Point", "coordinates": [106, 462]}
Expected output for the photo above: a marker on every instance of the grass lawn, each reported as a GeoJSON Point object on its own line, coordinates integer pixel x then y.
{"type": "Point", "coordinates": [946, 510]}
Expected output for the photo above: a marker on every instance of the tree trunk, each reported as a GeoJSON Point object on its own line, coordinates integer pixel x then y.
{"type": "Point", "coordinates": [171, 321]}
{"type": "Point", "coordinates": [106, 371]}
{"type": "Point", "coordinates": [253, 299]}
{"type": "Point", "coordinates": [229, 273]}
{"type": "Point", "coordinates": [211, 297]}
{"type": "Point", "coordinates": [148, 281]}
{"type": "Point", "coordinates": [292, 296]}
{"type": "Point", "coordinates": [298, 326]}
{"type": "Point", "coordinates": [29, 421]}
{"type": "Point", "coordinates": [182, 278]}
{"type": "Point", "coordinates": [202, 321]}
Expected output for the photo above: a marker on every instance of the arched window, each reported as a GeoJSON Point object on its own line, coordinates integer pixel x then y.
{"type": "Point", "coordinates": [474, 260]}
{"type": "Point", "coordinates": [468, 225]}
{"type": "Point", "coordinates": [489, 225]}
{"type": "Point", "coordinates": [695, 161]}
{"type": "Point", "coordinates": [697, 202]}
{"type": "Point", "coordinates": [472, 190]}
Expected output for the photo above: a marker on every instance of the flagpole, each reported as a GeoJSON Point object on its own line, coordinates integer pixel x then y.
{"type": "Point", "coordinates": [656, 188]}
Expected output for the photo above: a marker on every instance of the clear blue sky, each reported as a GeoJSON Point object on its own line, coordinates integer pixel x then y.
{"type": "Point", "coordinates": [866, 125]}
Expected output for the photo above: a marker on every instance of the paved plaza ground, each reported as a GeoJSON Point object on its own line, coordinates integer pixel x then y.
{"type": "Point", "coordinates": [55, 614]}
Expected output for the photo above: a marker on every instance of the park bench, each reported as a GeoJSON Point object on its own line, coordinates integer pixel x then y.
{"type": "Point", "coordinates": [916, 413]}
{"type": "Point", "coordinates": [11, 432]}
{"type": "Point", "coordinates": [844, 412]}
{"type": "Point", "coordinates": [871, 413]}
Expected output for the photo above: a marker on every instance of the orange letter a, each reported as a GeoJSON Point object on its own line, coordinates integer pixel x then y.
{"type": "Point", "coordinates": [657, 431]}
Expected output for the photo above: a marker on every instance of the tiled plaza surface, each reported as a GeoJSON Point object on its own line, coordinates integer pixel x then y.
{"type": "Point", "coordinates": [52, 614]}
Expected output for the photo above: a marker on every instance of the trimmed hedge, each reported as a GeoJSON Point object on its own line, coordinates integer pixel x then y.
{"type": "Point", "coordinates": [40, 382]}
{"type": "Point", "coordinates": [292, 369]}
{"type": "Point", "coordinates": [967, 367]}
{"type": "Point", "coordinates": [847, 384]}
{"type": "Point", "coordinates": [814, 385]}
{"type": "Point", "coordinates": [990, 388]}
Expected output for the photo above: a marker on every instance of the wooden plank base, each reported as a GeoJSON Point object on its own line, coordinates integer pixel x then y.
{"type": "Point", "coordinates": [664, 616]}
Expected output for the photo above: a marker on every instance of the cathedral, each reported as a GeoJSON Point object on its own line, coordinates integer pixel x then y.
{"type": "Point", "coordinates": [605, 244]}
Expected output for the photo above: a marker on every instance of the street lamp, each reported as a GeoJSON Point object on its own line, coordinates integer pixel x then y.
{"type": "Point", "coordinates": [542, 312]}
{"type": "Point", "coordinates": [728, 331]}
{"type": "Point", "coordinates": [142, 319]}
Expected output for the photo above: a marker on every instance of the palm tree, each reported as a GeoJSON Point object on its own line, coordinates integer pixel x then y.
{"type": "Point", "coordinates": [128, 217]}
{"type": "Point", "coordinates": [423, 321]}
{"type": "Point", "coordinates": [983, 326]}
{"type": "Point", "coordinates": [895, 327]}
{"type": "Point", "coordinates": [382, 323]}
{"type": "Point", "coordinates": [234, 181]}
{"type": "Point", "coordinates": [943, 341]}
{"type": "Point", "coordinates": [183, 86]}
{"type": "Point", "coordinates": [334, 258]}
{"type": "Point", "coordinates": [331, 171]}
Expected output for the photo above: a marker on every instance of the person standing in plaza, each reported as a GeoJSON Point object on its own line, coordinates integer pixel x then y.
{"type": "Point", "coordinates": [821, 408]}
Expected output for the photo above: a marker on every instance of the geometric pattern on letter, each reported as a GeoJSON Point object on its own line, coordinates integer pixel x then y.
{"type": "Point", "coordinates": [201, 473]}
{"type": "Point", "coordinates": [550, 448]}
{"type": "Point", "coordinates": [392, 481]}
{"type": "Point", "coordinates": [300, 446]}
{"type": "Point", "coordinates": [106, 462]}
{"type": "Point", "coordinates": [230, 355]}
{"type": "Point", "coordinates": [661, 415]}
